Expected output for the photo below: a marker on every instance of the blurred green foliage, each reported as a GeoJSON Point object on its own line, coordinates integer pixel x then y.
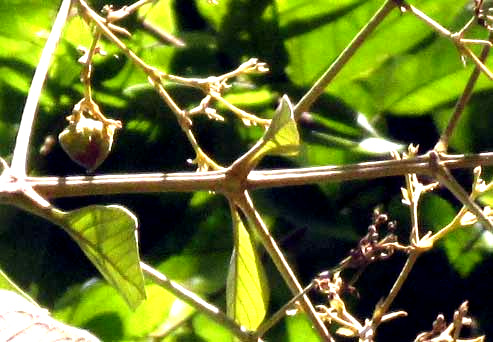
{"type": "Point", "coordinates": [400, 87]}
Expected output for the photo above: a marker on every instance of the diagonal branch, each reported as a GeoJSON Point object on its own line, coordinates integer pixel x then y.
{"type": "Point", "coordinates": [442, 144]}
{"type": "Point", "coordinates": [319, 87]}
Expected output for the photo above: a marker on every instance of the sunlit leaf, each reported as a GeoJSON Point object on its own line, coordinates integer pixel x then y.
{"type": "Point", "coordinates": [209, 330]}
{"type": "Point", "coordinates": [246, 291]}
{"type": "Point", "coordinates": [99, 307]}
{"type": "Point", "coordinates": [108, 236]}
{"type": "Point", "coordinates": [300, 329]}
{"type": "Point", "coordinates": [379, 145]}
{"type": "Point", "coordinates": [282, 137]}
{"type": "Point", "coordinates": [7, 284]}
{"type": "Point", "coordinates": [380, 76]}
{"type": "Point", "coordinates": [179, 313]}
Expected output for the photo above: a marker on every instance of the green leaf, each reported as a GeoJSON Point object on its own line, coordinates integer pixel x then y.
{"type": "Point", "coordinates": [282, 137]}
{"type": "Point", "coordinates": [209, 330]}
{"type": "Point", "coordinates": [299, 329]}
{"type": "Point", "coordinates": [108, 236]}
{"type": "Point", "coordinates": [462, 255]}
{"type": "Point", "coordinates": [99, 308]}
{"type": "Point", "coordinates": [7, 284]}
{"type": "Point", "coordinates": [381, 76]}
{"type": "Point", "coordinates": [179, 313]}
{"type": "Point", "coordinates": [247, 294]}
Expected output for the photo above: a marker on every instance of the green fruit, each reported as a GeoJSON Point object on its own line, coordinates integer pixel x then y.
{"type": "Point", "coordinates": [87, 142]}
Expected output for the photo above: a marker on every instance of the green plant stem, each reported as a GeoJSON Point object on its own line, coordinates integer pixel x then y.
{"type": "Point", "coordinates": [199, 304]}
{"type": "Point", "coordinates": [318, 88]}
{"type": "Point", "coordinates": [442, 144]}
{"type": "Point", "coordinates": [281, 313]}
{"type": "Point", "coordinates": [19, 159]}
{"type": "Point", "coordinates": [406, 270]}
{"type": "Point", "coordinates": [53, 187]}
{"type": "Point", "coordinates": [245, 204]}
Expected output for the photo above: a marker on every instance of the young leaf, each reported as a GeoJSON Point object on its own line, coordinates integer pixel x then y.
{"type": "Point", "coordinates": [108, 236]}
{"type": "Point", "coordinates": [246, 289]}
{"type": "Point", "coordinates": [282, 137]}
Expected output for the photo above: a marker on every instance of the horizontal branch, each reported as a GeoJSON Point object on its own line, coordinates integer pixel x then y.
{"type": "Point", "coordinates": [52, 187]}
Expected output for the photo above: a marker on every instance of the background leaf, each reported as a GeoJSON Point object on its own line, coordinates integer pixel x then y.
{"type": "Point", "coordinates": [108, 236]}
{"type": "Point", "coordinates": [247, 291]}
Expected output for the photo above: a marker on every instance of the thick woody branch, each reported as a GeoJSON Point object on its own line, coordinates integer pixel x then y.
{"type": "Point", "coordinates": [51, 187]}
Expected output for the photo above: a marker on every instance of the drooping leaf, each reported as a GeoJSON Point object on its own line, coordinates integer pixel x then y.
{"type": "Point", "coordinates": [247, 294]}
{"type": "Point", "coordinates": [108, 236]}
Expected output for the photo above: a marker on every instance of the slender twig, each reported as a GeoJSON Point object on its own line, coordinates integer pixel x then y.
{"type": "Point", "coordinates": [281, 313]}
{"type": "Point", "coordinates": [19, 159]}
{"type": "Point", "coordinates": [161, 34]}
{"type": "Point", "coordinates": [86, 72]}
{"type": "Point", "coordinates": [245, 204]}
{"type": "Point", "coordinates": [456, 222]}
{"type": "Point", "coordinates": [442, 144]}
{"type": "Point", "coordinates": [456, 38]}
{"type": "Point", "coordinates": [319, 87]}
{"type": "Point", "coordinates": [406, 270]}
{"type": "Point", "coordinates": [199, 304]}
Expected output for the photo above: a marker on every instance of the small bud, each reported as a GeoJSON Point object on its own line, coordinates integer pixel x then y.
{"type": "Point", "coordinates": [87, 141]}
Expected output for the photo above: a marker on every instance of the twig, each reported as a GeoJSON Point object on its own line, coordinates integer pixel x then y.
{"type": "Point", "coordinates": [279, 314]}
{"type": "Point", "coordinates": [161, 34]}
{"type": "Point", "coordinates": [19, 159]}
{"type": "Point", "coordinates": [193, 300]}
{"type": "Point", "coordinates": [442, 144]}
{"type": "Point", "coordinates": [318, 88]}
{"type": "Point", "coordinates": [245, 204]}
{"type": "Point", "coordinates": [406, 270]}
{"type": "Point", "coordinates": [456, 38]}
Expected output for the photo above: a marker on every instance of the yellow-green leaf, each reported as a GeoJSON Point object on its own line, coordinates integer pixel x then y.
{"type": "Point", "coordinates": [282, 137]}
{"type": "Point", "coordinates": [108, 236]}
{"type": "Point", "coordinates": [247, 293]}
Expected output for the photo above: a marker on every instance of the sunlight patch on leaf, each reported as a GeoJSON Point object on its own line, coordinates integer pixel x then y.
{"type": "Point", "coordinates": [108, 237]}
{"type": "Point", "coordinates": [247, 294]}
